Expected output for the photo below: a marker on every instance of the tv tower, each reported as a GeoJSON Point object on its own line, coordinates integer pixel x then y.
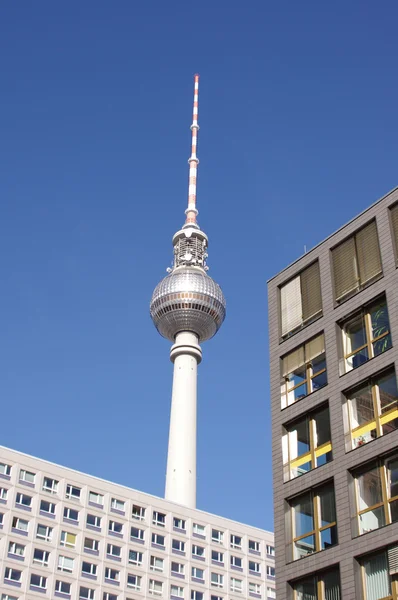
{"type": "Point", "coordinates": [187, 308]}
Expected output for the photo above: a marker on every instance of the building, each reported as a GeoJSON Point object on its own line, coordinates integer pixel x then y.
{"type": "Point", "coordinates": [333, 318]}
{"type": "Point", "coordinates": [65, 534]}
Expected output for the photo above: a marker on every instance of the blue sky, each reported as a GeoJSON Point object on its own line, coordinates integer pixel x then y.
{"type": "Point", "coordinates": [298, 115]}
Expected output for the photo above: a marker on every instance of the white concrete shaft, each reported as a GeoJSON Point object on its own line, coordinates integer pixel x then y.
{"type": "Point", "coordinates": [186, 354]}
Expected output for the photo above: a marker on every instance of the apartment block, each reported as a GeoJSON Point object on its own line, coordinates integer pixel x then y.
{"type": "Point", "coordinates": [65, 534]}
{"type": "Point", "coordinates": [333, 327]}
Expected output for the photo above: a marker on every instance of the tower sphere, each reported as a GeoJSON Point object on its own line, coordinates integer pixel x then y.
{"type": "Point", "coordinates": [188, 300]}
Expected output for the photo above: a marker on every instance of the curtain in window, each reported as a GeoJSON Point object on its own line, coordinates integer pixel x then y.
{"type": "Point", "coordinates": [345, 268]}
{"type": "Point", "coordinates": [377, 581]}
{"type": "Point", "coordinates": [307, 590]}
{"type": "Point", "coordinates": [394, 223]}
{"type": "Point", "coordinates": [291, 310]}
{"type": "Point", "coordinates": [331, 582]}
{"type": "Point", "coordinates": [368, 252]}
{"type": "Point", "coordinates": [311, 291]}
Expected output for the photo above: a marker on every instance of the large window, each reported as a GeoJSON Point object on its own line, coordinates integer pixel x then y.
{"type": "Point", "coordinates": [306, 444]}
{"type": "Point", "coordinates": [301, 300]}
{"type": "Point", "coordinates": [365, 335]}
{"type": "Point", "coordinates": [372, 409]}
{"type": "Point", "coordinates": [313, 521]}
{"type": "Point", "coordinates": [356, 262]}
{"type": "Point", "coordinates": [320, 586]}
{"type": "Point", "coordinates": [379, 575]}
{"type": "Point", "coordinates": [303, 371]}
{"type": "Point", "coordinates": [377, 495]}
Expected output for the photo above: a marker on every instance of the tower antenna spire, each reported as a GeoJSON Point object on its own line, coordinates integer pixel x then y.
{"type": "Point", "coordinates": [193, 161]}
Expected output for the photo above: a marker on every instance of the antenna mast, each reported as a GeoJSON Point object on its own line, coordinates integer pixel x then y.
{"type": "Point", "coordinates": [193, 161]}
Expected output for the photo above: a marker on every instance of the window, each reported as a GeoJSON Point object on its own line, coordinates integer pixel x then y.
{"type": "Point", "coordinates": [17, 549]}
{"type": "Point", "coordinates": [178, 545]}
{"type": "Point", "coordinates": [372, 409]}
{"type": "Point", "coordinates": [12, 574]}
{"type": "Point", "coordinates": [377, 495]}
{"type": "Point", "coordinates": [365, 335]}
{"type": "Point", "coordinates": [113, 550]}
{"type": "Point", "coordinates": [135, 558]}
{"type": "Point", "coordinates": [138, 512]}
{"type": "Point", "coordinates": [158, 539]}
{"type": "Point", "coordinates": [20, 524]}
{"type": "Point", "coordinates": [217, 580]}
{"type": "Point", "coordinates": [137, 534]}
{"type": "Point", "coordinates": [117, 504]}
{"type": "Point", "coordinates": [379, 575]}
{"type": "Point", "coordinates": [177, 568]}
{"type": "Point", "coordinates": [86, 593]}
{"type": "Point", "coordinates": [68, 539]}
{"type": "Point", "coordinates": [89, 568]}
{"type": "Point", "coordinates": [216, 597]}
{"type": "Point", "coordinates": [62, 586]}
{"type": "Point", "coordinates": [41, 557]}
{"type": "Point", "coordinates": [47, 507]}
{"type": "Point", "coordinates": [176, 590]}
{"type": "Point", "coordinates": [236, 585]}
{"type": "Point", "coordinates": [254, 567]}
{"type": "Point", "coordinates": [179, 523]}
{"type": "Point", "coordinates": [156, 564]}
{"type": "Point", "coordinates": [306, 444]}
{"type": "Point", "coordinates": [134, 582]}
{"type": "Point", "coordinates": [313, 517]}
{"type": "Point", "coordinates": [270, 550]}
{"type": "Point", "coordinates": [270, 571]}
{"type": "Point", "coordinates": [322, 586]}
{"type": "Point", "coordinates": [199, 530]}
{"type": "Point", "coordinates": [50, 485]}
{"type": "Point", "coordinates": [197, 573]}
{"type": "Point", "coordinates": [356, 262]}
{"type": "Point", "coordinates": [236, 561]}
{"type": "Point", "coordinates": [93, 521]}
{"type": "Point", "coordinates": [1, 518]}
{"type": "Point", "coordinates": [198, 551]}
{"type": "Point", "coordinates": [217, 556]}
{"type": "Point", "coordinates": [8, 597]}
{"type": "Point", "coordinates": [23, 500]}
{"type": "Point", "coordinates": [71, 514]}
{"type": "Point", "coordinates": [155, 587]}
{"type": "Point", "coordinates": [109, 596]}
{"type": "Point", "coordinates": [5, 469]}
{"type": "Point", "coordinates": [38, 581]}
{"type": "Point", "coordinates": [254, 546]}
{"type": "Point", "coordinates": [158, 518]}
{"type": "Point", "coordinates": [73, 492]}
{"type": "Point", "coordinates": [195, 595]}
{"type": "Point", "coordinates": [115, 527]}
{"type": "Point", "coordinates": [65, 563]}
{"type": "Point", "coordinates": [236, 541]}
{"type": "Point", "coordinates": [44, 533]}
{"type": "Point", "coordinates": [91, 545]}
{"type": "Point", "coordinates": [394, 226]}
{"type": "Point", "coordinates": [95, 498]}
{"type": "Point", "coordinates": [301, 301]}
{"type": "Point", "coordinates": [112, 574]}
{"type": "Point", "coordinates": [303, 371]}
{"type": "Point", "coordinates": [27, 476]}
{"type": "Point", "coordinates": [255, 588]}
{"type": "Point", "coordinates": [271, 594]}
{"type": "Point", "coordinates": [217, 536]}
{"type": "Point", "coordinates": [3, 493]}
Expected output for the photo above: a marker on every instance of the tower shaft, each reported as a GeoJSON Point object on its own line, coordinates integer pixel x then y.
{"type": "Point", "coordinates": [181, 458]}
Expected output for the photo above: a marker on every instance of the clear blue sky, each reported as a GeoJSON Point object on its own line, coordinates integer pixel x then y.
{"type": "Point", "coordinates": [298, 114]}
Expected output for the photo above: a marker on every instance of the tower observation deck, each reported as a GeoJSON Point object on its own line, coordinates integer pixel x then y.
{"type": "Point", "coordinates": [187, 308]}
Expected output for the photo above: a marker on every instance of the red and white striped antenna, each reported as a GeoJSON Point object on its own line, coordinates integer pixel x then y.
{"type": "Point", "coordinates": [193, 161]}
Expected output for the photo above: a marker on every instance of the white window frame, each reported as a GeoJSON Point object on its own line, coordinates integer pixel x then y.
{"type": "Point", "coordinates": [97, 521]}
{"type": "Point", "coordinates": [257, 566]}
{"type": "Point", "coordinates": [234, 559]}
{"type": "Point", "coordinates": [109, 550]}
{"type": "Point", "coordinates": [181, 544]}
{"type": "Point", "coordinates": [179, 523]}
{"type": "Point", "coordinates": [22, 499]}
{"type": "Point", "coordinates": [159, 518]}
{"type": "Point", "coordinates": [58, 586]}
{"type": "Point", "coordinates": [11, 574]}
{"type": "Point", "coordinates": [134, 586]}
{"type": "Point", "coordinates": [92, 568]}
{"type": "Point", "coordinates": [197, 572]}
{"type": "Point", "coordinates": [152, 585]}
{"type": "Point", "coordinates": [71, 492]}
{"type": "Point", "coordinates": [271, 592]}
{"type": "Point", "coordinates": [195, 547]}
{"type": "Point", "coordinates": [156, 536]}
{"type": "Point", "coordinates": [41, 561]}
{"type": "Point", "coordinates": [236, 587]}
{"type": "Point", "coordinates": [216, 580]}
{"type": "Point", "coordinates": [153, 564]}
{"type": "Point", "coordinates": [180, 567]}
{"type": "Point", "coordinates": [67, 511]}
{"type": "Point", "coordinates": [199, 529]}
{"type": "Point", "coordinates": [117, 504]}
{"type": "Point", "coordinates": [112, 574]}
{"type": "Point", "coordinates": [256, 545]}
{"type": "Point", "coordinates": [138, 561]}
{"type": "Point", "coordinates": [64, 564]}
{"type": "Point", "coordinates": [90, 591]}
{"type": "Point", "coordinates": [270, 550]}
{"type": "Point", "coordinates": [43, 581]}
{"type": "Point", "coordinates": [270, 568]}
{"type": "Point", "coordinates": [220, 556]}
{"type": "Point", "coordinates": [197, 595]}
{"type": "Point", "coordinates": [49, 533]}
{"type": "Point", "coordinates": [13, 548]}
{"type": "Point", "coordinates": [64, 542]}
{"type": "Point", "coordinates": [111, 527]}
{"type": "Point", "coordinates": [140, 514]}
{"type": "Point", "coordinates": [96, 498]}
{"type": "Point", "coordinates": [51, 505]}
{"type": "Point", "coordinates": [234, 543]}
{"type": "Point", "coordinates": [3, 493]}
{"type": "Point", "coordinates": [95, 547]}
{"type": "Point", "coordinates": [217, 536]}
{"type": "Point", "coordinates": [176, 590]}
{"type": "Point", "coordinates": [53, 488]}
{"type": "Point", "coordinates": [5, 469]}
{"type": "Point", "coordinates": [254, 587]}
{"type": "Point", "coordinates": [140, 536]}
{"type": "Point", "coordinates": [16, 524]}
{"type": "Point", "coordinates": [27, 476]}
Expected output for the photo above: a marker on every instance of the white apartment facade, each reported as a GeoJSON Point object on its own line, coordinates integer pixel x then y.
{"type": "Point", "coordinates": [65, 534]}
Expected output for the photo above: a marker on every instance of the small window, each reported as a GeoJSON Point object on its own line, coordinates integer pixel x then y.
{"type": "Point", "coordinates": [198, 551]}
{"type": "Point", "coordinates": [44, 533]}
{"type": "Point", "coordinates": [270, 550]}
{"type": "Point", "coordinates": [65, 563]}
{"type": "Point", "coordinates": [217, 556]}
{"type": "Point", "coordinates": [176, 591]}
{"type": "Point", "coordinates": [17, 549]}
{"type": "Point", "coordinates": [109, 596]}
{"type": "Point", "coordinates": [236, 561]}
{"type": "Point", "coordinates": [217, 580]}
{"type": "Point", "coordinates": [95, 498]}
{"type": "Point", "coordinates": [179, 523]}
{"type": "Point", "coordinates": [371, 409]}
{"type": "Point", "coordinates": [89, 568]}
{"type": "Point", "coordinates": [270, 571]}
{"type": "Point", "coordinates": [217, 536]}
{"type": "Point", "coordinates": [177, 568]}
{"type": "Point", "coordinates": [195, 595]}
{"type": "Point", "coordinates": [178, 545]}
{"type": "Point", "coordinates": [138, 512]}
{"type": "Point", "coordinates": [236, 541]}
{"type": "Point", "coordinates": [155, 587]}
{"type": "Point", "coordinates": [12, 574]}
{"type": "Point", "coordinates": [27, 476]}
{"type": "Point", "coordinates": [47, 507]}
{"type": "Point", "coordinates": [255, 588]}
{"type": "Point", "coordinates": [71, 514]}
{"type": "Point", "coordinates": [236, 585]}
{"type": "Point", "coordinates": [271, 593]}
{"type": "Point", "coordinates": [38, 581]}
{"type": "Point", "coordinates": [159, 518]}
{"type": "Point", "coordinates": [301, 301]}
{"type": "Point", "coordinates": [254, 567]}
{"type": "Point", "coordinates": [41, 557]}
{"type": "Point", "coordinates": [113, 550]}
{"type": "Point", "coordinates": [91, 545]}
{"type": "Point", "coordinates": [68, 539]}
{"type": "Point", "coordinates": [23, 500]}
{"type": "Point", "coordinates": [156, 564]}
{"type": "Point", "coordinates": [5, 469]}
{"type": "Point", "coordinates": [73, 492]}
{"type": "Point", "coordinates": [135, 558]}
{"type": "Point", "coordinates": [115, 527]}
{"type": "Point", "coordinates": [356, 262]}
{"type": "Point", "coordinates": [134, 582]}
{"type": "Point", "coordinates": [303, 371]}
{"type": "Point", "coordinates": [306, 444]}
{"type": "Point", "coordinates": [254, 546]}
{"type": "Point", "coordinates": [20, 524]}
{"type": "Point", "coordinates": [158, 539]}
{"type": "Point", "coordinates": [198, 573]}
{"type": "Point", "coordinates": [198, 529]}
{"type": "Point", "coordinates": [322, 586]}
{"type": "Point", "coordinates": [112, 574]}
{"type": "Point", "coordinates": [117, 504]}
{"type": "Point", "coordinates": [137, 534]}
{"type": "Point", "coordinates": [365, 335]}
{"type": "Point", "coordinates": [314, 524]}
{"type": "Point", "coordinates": [50, 485]}
{"type": "Point", "coordinates": [93, 521]}
{"type": "Point", "coordinates": [86, 593]}
{"type": "Point", "coordinates": [3, 493]}
{"type": "Point", "coordinates": [62, 586]}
